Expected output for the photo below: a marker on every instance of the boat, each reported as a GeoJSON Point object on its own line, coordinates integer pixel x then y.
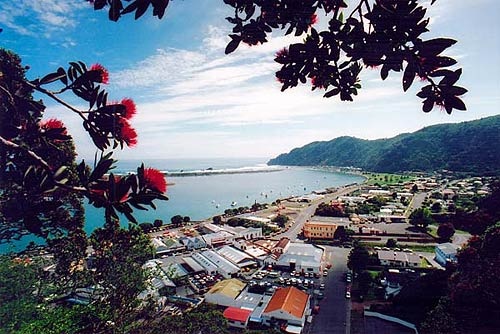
{"type": "Point", "coordinates": [234, 203]}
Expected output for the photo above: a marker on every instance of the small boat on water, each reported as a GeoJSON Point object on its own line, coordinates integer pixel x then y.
{"type": "Point", "coordinates": [234, 203]}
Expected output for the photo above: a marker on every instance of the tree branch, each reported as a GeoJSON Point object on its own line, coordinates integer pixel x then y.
{"type": "Point", "coordinates": [39, 160]}
{"type": "Point", "coordinates": [54, 97]}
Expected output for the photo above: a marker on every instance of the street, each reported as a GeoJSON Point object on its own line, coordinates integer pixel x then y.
{"type": "Point", "coordinates": [335, 309]}
{"type": "Point", "coordinates": [308, 212]}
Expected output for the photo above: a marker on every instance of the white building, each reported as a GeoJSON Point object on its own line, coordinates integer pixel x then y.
{"type": "Point", "coordinates": [224, 267]}
{"type": "Point", "coordinates": [302, 257]}
{"type": "Point", "coordinates": [236, 256]}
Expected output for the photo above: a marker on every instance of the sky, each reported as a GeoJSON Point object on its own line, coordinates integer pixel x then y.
{"type": "Point", "coordinates": [195, 102]}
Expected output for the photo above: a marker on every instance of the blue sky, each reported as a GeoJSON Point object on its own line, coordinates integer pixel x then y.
{"type": "Point", "coordinates": [194, 101]}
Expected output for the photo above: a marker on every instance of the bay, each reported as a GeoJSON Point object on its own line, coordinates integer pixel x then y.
{"type": "Point", "coordinates": [201, 197]}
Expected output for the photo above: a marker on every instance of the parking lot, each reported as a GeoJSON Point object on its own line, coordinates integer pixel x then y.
{"type": "Point", "coordinates": [267, 281]}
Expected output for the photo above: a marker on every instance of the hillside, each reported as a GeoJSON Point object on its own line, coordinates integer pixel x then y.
{"type": "Point", "coordinates": [472, 147]}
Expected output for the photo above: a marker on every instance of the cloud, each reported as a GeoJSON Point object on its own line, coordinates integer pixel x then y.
{"type": "Point", "coordinates": [39, 17]}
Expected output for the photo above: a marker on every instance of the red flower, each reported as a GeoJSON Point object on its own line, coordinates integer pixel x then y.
{"type": "Point", "coordinates": [102, 71]}
{"type": "Point", "coordinates": [314, 19]}
{"type": "Point", "coordinates": [127, 133]}
{"type": "Point", "coordinates": [130, 108]}
{"type": "Point", "coordinates": [155, 180]}
{"type": "Point", "coordinates": [53, 124]}
{"type": "Point", "coordinates": [316, 82]}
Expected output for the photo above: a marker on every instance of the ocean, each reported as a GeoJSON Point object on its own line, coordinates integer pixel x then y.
{"type": "Point", "coordinates": [203, 196]}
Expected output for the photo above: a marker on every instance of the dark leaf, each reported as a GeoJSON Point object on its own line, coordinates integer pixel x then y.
{"type": "Point", "coordinates": [233, 44]}
{"type": "Point", "coordinates": [427, 106]}
{"type": "Point", "coordinates": [142, 6]}
{"type": "Point", "coordinates": [456, 103]}
{"type": "Point", "coordinates": [435, 46]}
{"type": "Point", "coordinates": [51, 77]}
{"type": "Point", "coordinates": [408, 76]}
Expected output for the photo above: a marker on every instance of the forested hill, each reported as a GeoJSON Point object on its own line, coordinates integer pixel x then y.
{"type": "Point", "coordinates": [466, 147]}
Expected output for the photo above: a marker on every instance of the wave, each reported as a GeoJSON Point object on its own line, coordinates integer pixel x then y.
{"type": "Point", "coordinates": [211, 171]}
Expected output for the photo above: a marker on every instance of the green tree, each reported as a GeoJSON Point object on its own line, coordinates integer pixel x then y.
{"type": "Point", "coordinates": [38, 160]}
{"type": "Point", "coordinates": [158, 223]}
{"type": "Point", "coordinates": [421, 217]}
{"type": "Point", "coordinates": [436, 207]}
{"type": "Point", "coordinates": [186, 219]}
{"type": "Point", "coordinates": [391, 243]}
{"type": "Point", "coordinates": [217, 220]}
{"type": "Point", "coordinates": [364, 282]}
{"type": "Point", "coordinates": [358, 258]}
{"type": "Point", "coordinates": [281, 220]}
{"type": "Point", "coordinates": [445, 231]}
{"type": "Point", "coordinates": [177, 220]}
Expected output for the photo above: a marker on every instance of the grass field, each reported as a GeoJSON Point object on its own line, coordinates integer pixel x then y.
{"type": "Point", "coordinates": [383, 179]}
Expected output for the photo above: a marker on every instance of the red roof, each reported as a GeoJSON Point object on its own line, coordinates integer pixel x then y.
{"type": "Point", "coordinates": [290, 300]}
{"type": "Point", "coordinates": [236, 314]}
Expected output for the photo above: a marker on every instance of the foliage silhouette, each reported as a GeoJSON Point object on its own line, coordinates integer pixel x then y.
{"type": "Point", "coordinates": [384, 34]}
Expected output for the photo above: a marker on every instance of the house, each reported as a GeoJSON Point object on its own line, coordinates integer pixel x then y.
{"type": "Point", "coordinates": [237, 317]}
{"type": "Point", "coordinates": [224, 293]}
{"type": "Point", "coordinates": [445, 253]}
{"type": "Point", "coordinates": [319, 230]}
{"type": "Point", "coordinates": [301, 257]}
{"type": "Point", "coordinates": [218, 238]}
{"type": "Point", "coordinates": [289, 306]}
{"type": "Point", "coordinates": [398, 259]}
{"type": "Point", "coordinates": [193, 242]}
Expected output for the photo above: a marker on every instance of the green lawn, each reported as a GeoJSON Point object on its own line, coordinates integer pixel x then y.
{"type": "Point", "coordinates": [387, 179]}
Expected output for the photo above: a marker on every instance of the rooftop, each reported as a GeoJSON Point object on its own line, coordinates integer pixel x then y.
{"type": "Point", "coordinates": [230, 287]}
{"type": "Point", "coordinates": [236, 314]}
{"type": "Point", "coordinates": [448, 248]}
{"type": "Point", "coordinates": [290, 300]}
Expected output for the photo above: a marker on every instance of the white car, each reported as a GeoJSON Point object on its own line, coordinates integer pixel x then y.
{"type": "Point", "coordinates": [348, 294]}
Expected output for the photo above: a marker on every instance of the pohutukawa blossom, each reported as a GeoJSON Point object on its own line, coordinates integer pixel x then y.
{"type": "Point", "coordinates": [314, 19]}
{"type": "Point", "coordinates": [102, 71]}
{"type": "Point", "coordinates": [130, 108]}
{"type": "Point", "coordinates": [317, 83]}
{"type": "Point", "coordinates": [127, 132]}
{"type": "Point", "coordinates": [155, 180]}
{"type": "Point", "coordinates": [282, 54]}
{"type": "Point", "coordinates": [53, 124]}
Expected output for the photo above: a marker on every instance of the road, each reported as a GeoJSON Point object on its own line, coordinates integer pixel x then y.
{"type": "Point", "coordinates": [335, 309]}
{"type": "Point", "coordinates": [308, 212]}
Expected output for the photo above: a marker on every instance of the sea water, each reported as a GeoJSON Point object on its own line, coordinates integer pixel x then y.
{"type": "Point", "coordinates": [201, 197]}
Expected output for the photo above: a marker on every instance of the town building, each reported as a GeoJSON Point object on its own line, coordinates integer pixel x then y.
{"type": "Point", "coordinates": [192, 243]}
{"type": "Point", "coordinates": [398, 259]}
{"type": "Point", "coordinates": [239, 258]}
{"type": "Point", "coordinates": [224, 267]}
{"type": "Point", "coordinates": [224, 293]}
{"type": "Point", "coordinates": [445, 253]}
{"type": "Point", "coordinates": [237, 317]}
{"type": "Point", "coordinates": [287, 306]}
{"type": "Point", "coordinates": [319, 230]}
{"type": "Point", "coordinates": [301, 257]}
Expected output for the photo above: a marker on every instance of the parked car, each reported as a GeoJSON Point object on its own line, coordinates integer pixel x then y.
{"type": "Point", "coordinates": [322, 286]}
{"type": "Point", "coordinates": [348, 294]}
{"type": "Point", "coordinates": [315, 309]}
